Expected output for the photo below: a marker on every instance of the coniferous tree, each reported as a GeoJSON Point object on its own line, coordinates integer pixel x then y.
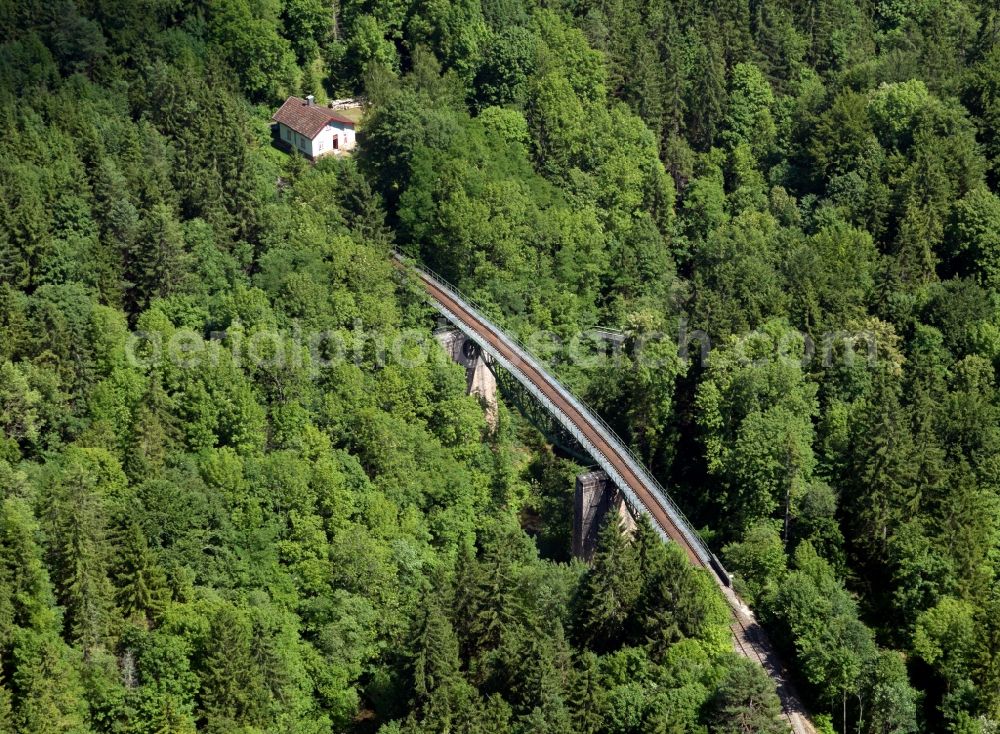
{"type": "Point", "coordinates": [609, 590]}
{"type": "Point", "coordinates": [496, 607]}
{"type": "Point", "coordinates": [155, 265]}
{"type": "Point", "coordinates": [153, 432]}
{"type": "Point", "coordinates": [142, 585]}
{"type": "Point", "coordinates": [464, 611]}
{"type": "Point", "coordinates": [77, 514]}
{"type": "Point", "coordinates": [588, 694]}
{"type": "Point", "coordinates": [443, 698]}
{"type": "Point", "coordinates": [230, 695]}
{"type": "Point", "coordinates": [881, 473]}
{"type": "Point", "coordinates": [745, 702]}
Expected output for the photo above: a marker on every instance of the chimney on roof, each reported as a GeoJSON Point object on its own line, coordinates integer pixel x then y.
{"type": "Point", "coordinates": [310, 100]}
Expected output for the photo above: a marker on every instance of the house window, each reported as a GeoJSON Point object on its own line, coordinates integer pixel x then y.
{"type": "Point", "coordinates": [336, 142]}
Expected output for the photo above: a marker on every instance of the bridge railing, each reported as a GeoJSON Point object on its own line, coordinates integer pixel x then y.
{"type": "Point", "coordinates": [632, 459]}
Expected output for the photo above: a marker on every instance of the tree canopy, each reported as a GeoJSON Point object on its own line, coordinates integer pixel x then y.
{"type": "Point", "coordinates": [243, 489]}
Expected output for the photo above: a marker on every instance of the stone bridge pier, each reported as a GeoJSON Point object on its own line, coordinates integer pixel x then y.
{"type": "Point", "coordinates": [479, 378]}
{"type": "Point", "coordinates": [594, 499]}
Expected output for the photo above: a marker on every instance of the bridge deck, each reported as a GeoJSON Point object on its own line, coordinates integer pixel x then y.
{"type": "Point", "coordinates": [749, 639]}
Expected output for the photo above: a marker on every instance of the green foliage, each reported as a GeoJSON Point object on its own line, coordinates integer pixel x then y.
{"type": "Point", "coordinates": [758, 560]}
{"type": "Point", "coordinates": [237, 543]}
{"type": "Point", "coordinates": [248, 36]}
{"type": "Point", "coordinates": [749, 119]}
{"type": "Point", "coordinates": [755, 410]}
{"type": "Point", "coordinates": [745, 702]}
{"type": "Point", "coordinates": [973, 234]}
{"type": "Point", "coordinates": [611, 588]}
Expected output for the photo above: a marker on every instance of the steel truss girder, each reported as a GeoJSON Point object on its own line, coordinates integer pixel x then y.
{"type": "Point", "coordinates": [513, 390]}
{"type": "Point", "coordinates": [633, 501]}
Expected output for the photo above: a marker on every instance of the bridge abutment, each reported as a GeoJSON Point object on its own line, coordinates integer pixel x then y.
{"type": "Point", "coordinates": [594, 499]}
{"type": "Point", "coordinates": [480, 380]}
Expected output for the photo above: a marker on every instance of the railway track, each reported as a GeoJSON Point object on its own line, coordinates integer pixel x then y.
{"type": "Point", "coordinates": [625, 471]}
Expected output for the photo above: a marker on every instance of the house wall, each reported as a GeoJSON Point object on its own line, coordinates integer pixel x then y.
{"type": "Point", "coordinates": [322, 144]}
{"type": "Point", "coordinates": [344, 135]}
{"type": "Point", "coordinates": [300, 142]}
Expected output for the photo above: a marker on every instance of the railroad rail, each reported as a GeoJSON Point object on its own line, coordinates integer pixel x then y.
{"type": "Point", "coordinates": [641, 489]}
{"type": "Point", "coordinates": [624, 468]}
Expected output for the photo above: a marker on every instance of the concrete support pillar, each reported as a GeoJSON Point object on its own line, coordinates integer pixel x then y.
{"type": "Point", "coordinates": [480, 381]}
{"type": "Point", "coordinates": [594, 498]}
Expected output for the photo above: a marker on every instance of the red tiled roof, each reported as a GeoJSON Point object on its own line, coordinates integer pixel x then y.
{"type": "Point", "coordinates": [305, 120]}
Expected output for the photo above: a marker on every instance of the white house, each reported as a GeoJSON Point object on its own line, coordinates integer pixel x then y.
{"type": "Point", "coordinates": [313, 130]}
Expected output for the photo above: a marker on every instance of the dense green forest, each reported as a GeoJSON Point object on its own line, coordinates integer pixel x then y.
{"type": "Point", "coordinates": [210, 524]}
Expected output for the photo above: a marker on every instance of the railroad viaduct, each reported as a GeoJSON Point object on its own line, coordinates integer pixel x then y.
{"type": "Point", "coordinates": [639, 490]}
